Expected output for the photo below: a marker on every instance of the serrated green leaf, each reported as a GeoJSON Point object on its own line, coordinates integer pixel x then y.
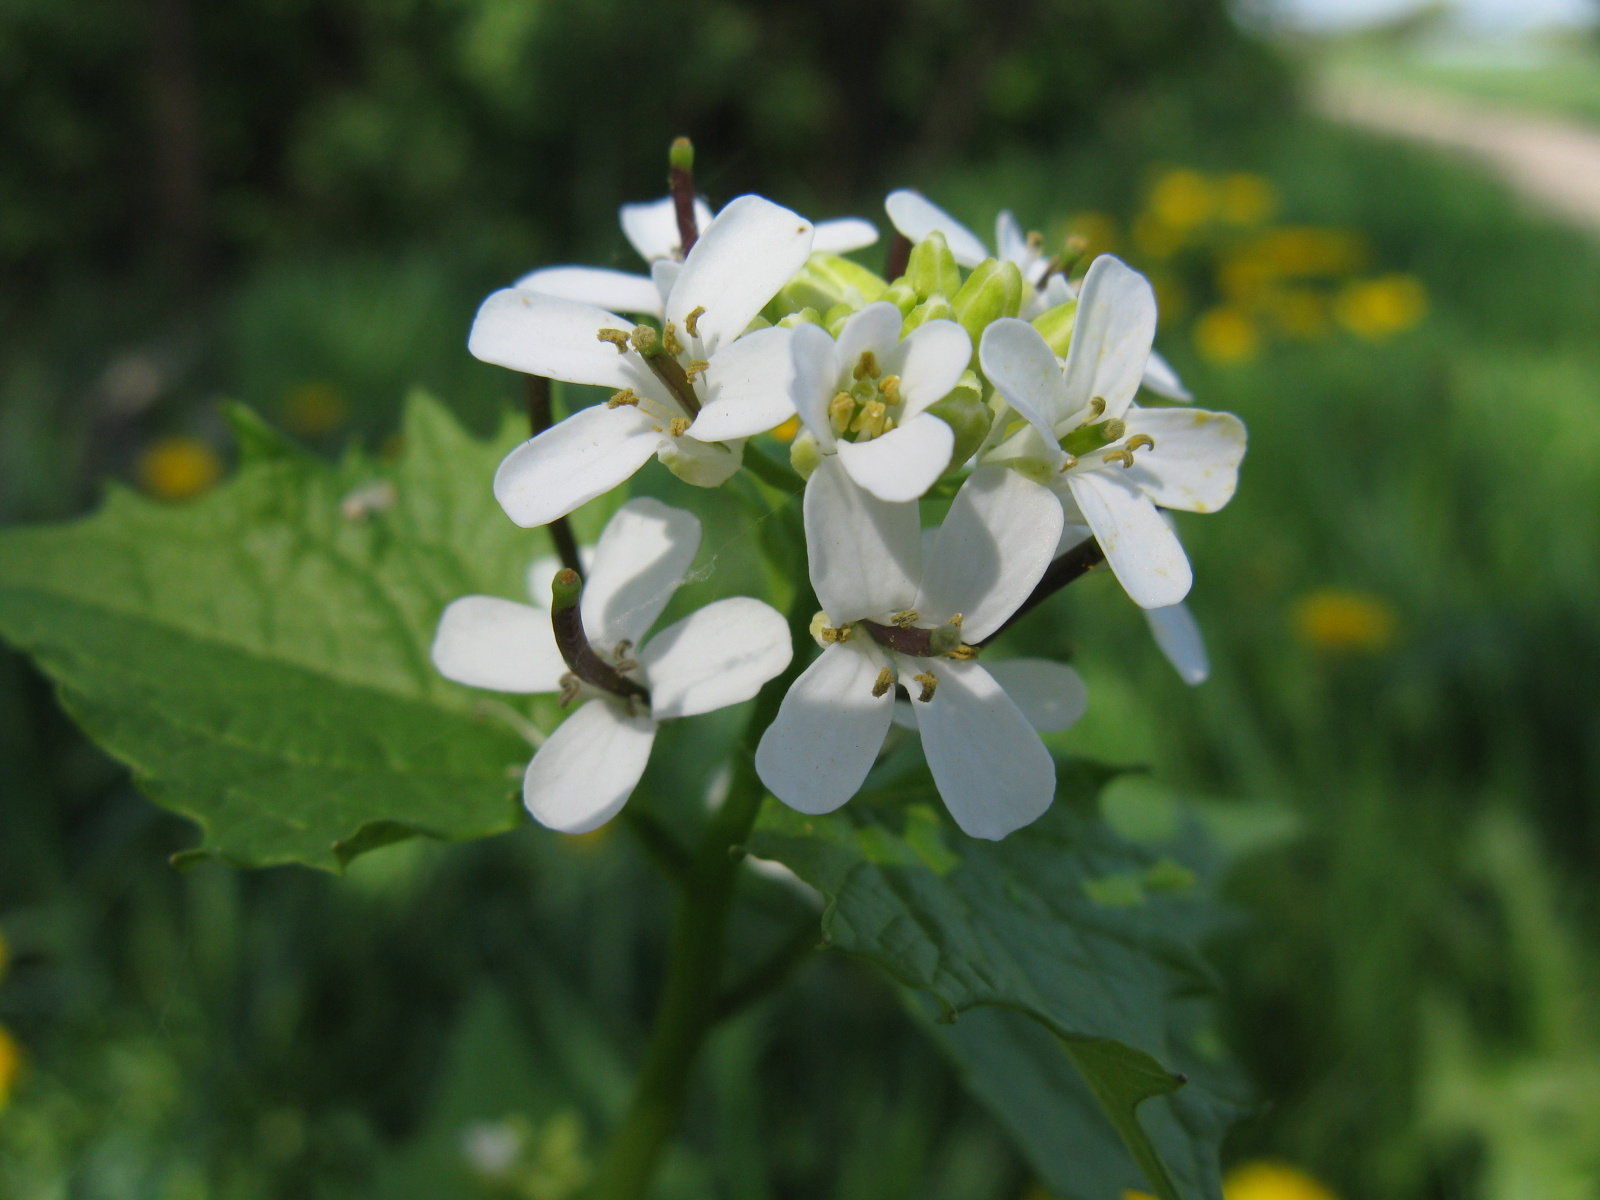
{"type": "Point", "coordinates": [259, 657]}
{"type": "Point", "coordinates": [1036, 973]}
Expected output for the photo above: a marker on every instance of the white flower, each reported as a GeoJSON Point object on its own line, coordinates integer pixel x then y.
{"type": "Point", "coordinates": [690, 396]}
{"type": "Point", "coordinates": [889, 618]}
{"type": "Point", "coordinates": [915, 216]}
{"type": "Point", "coordinates": [652, 229]}
{"type": "Point", "coordinates": [863, 397]}
{"type": "Point", "coordinates": [720, 655]}
{"type": "Point", "coordinates": [1083, 435]}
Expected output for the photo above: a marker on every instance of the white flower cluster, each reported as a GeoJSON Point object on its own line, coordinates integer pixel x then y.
{"type": "Point", "coordinates": [1010, 386]}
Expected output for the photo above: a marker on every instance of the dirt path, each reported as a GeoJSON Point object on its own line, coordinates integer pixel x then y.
{"type": "Point", "coordinates": [1554, 162]}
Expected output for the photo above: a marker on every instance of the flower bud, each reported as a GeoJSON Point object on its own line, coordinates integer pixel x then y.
{"type": "Point", "coordinates": [992, 291]}
{"type": "Point", "coordinates": [680, 156]}
{"type": "Point", "coordinates": [806, 316]}
{"type": "Point", "coordinates": [835, 318]}
{"type": "Point", "coordinates": [805, 456]}
{"type": "Point", "coordinates": [932, 269]}
{"type": "Point", "coordinates": [1055, 326]}
{"type": "Point", "coordinates": [902, 295]}
{"type": "Point", "coordinates": [935, 308]}
{"type": "Point", "coordinates": [967, 415]}
{"type": "Point", "coordinates": [826, 280]}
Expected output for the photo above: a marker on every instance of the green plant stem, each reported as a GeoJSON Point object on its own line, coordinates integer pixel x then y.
{"type": "Point", "coordinates": [767, 975]}
{"type": "Point", "coordinates": [689, 996]}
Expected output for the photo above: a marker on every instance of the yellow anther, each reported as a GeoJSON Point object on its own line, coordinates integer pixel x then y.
{"type": "Point", "coordinates": [930, 684]}
{"type": "Point", "coordinates": [642, 338]}
{"type": "Point", "coordinates": [1121, 456]}
{"type": "Point", "coordinates": [696, 368]}
{"type": "Point", "coordinates": [839, 633]}
{"type": "Point", "coordinates": [620, 650]}
{"type": "Point", "coordinates": [866, 365]}
{"type": "Point", "coordinates": [679, 426]}
{"type": "Point", "coordinates": [627, 396]}
{"type": "Point", "coordinates": [1141, 441]}
{"type": "Point", "coordinates": [669, 339]}
{"type": "Point", "coordinates": [1096, 407]}
{"type": "Point", "coordinates": [840, 409]}
{"type": "Point", "coordinates": [569, 688]}
{"type": "Point", "coordinates": [616, 337]}
{"type": "Point", "coordinates": [1069, 464]}
{"type": "Point", "coordinates": [692, 321]}
{"type": "Point", "coordinates": [956, 619]}
{"type": "Point", "coordinates": [884, 683]}
{"type": "Point", "coordinates": [1113, 429]}
{"type": "Point", "coordinates": [906, 619]}
{"type": "Point", "coordinates": [889, 385]}
{"type": "Point", "coordinates": [963, 653]}
{"type": "Point", "coordinates": [870, 422]}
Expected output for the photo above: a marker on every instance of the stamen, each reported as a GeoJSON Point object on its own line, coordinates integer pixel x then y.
{"type": "Point", "coordinates": [616, 337]}
{"type": "Point", "coordinates": [869, 422]}
{"type": "Point", "coordinates": [1122, 456]}
{"type": "Point", "coordinates": [889, 385]}
{"type": "Point", "coordinates": [627, 396]}
{"type": "Point", "coordinates": [840, 633]}
{"type": "Point", "coordinates": [1141, 441]}
{"type": "Point", "coordinates": [906, 619]}
{"type": "Point", "coordinates": [569, 688]}
{"type": "Point", "coordinates": [840, 410]}
{"type": "Point", "coordinates": [930, 684]}
{"type": "Point", "coordinates": [679, 426]}
{"type": "Point", "coordinates": [1096, 407]}
{"type": "Point", "coordinates": [866, 365]}
{"type": "Point", "coordinates": [884, 683]}
{"type": "Point", "coordinates": [956, 620]}
{"type": "Point", "coordinates": [1113, 429]}
{"type": "Point", "coordinates": [620, 650]}
{"type": "Point", "coordinates": [692, 321]}
{"type": "Point", "coordinates": [963, 653]}
{"type": "Point", "coordinates": [641, 339]}
{"type": "Point", "coordinates": [669, 339]}
{"type": "Point", "coordinates": [696, 368]}
{"type": "Point", "coordinates": [1069, 464]}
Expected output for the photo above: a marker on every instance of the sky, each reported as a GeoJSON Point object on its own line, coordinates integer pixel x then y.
{"type": "Point", "coordinates": [1487, 15]}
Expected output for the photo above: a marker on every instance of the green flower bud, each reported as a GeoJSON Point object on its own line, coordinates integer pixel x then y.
{"type": "Point", "coordinates": [932, 269]}
{"type": "Point", "coordinates": [935, 308]}
{"type": "Point", "coordinates": [1086, 439]}
{"type": "Point", "coordinates": [902, 295]}
{"type": "Point", "coordinates": [566, 589]}
{"type": "Point", "coordinates": [967, 415]}
{"type": "Point", "coordinates": [992, 291]}
{"type": "Point", "coordinates": [805, 456]}
{"type": "Point", "coordinates": [834, 319]}
{"type": "Point", "coordinates": [1055, 326]}
{"type": "Point", "coordinates": [824, 281]}
{"type": "Point", "coordinates": [806, 316]}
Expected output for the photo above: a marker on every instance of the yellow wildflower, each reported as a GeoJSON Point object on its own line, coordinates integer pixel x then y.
{"type": "Point", "coordinates": [10, 1066]}
{"type": "Point", "coordinates": [1227, 336]}
{"type": "Point", "coordinates": [316, 408]}
{"type": "Point", "coordinates": [175, 468]}
{"type": "Point", "coordinates": [1272, 1181]}
{"type": "Point", "coordinates": [1339, 620]}
{"type": "Point", "coordinates": [1313, 250]}
{"type": "Point", "coordinates": [1182, 199]}
{"type": "Point", "coordinates": [788, 430]}
{"type": "Point", "coordinates": [1382, 307]}
{"type": "Point", "coordinates": [1244, 198]}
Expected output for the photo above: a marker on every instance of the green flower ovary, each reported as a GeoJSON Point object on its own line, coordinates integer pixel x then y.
{"type": "Point", "coordinates": [870, 407]}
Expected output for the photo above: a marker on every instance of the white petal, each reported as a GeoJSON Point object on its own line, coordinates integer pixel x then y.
{"type": "Point", "coordinates": [844, 235]}
{"type": "Point", "coordinates": [930, 363]}
{"type": "Point", "coordinates": [574, 461]}
{"type": "Point", "coordinates": [1111, 335]}
{"type": "Point", "coordinates": [905, 462]}
{"type": "Point", "coordinates": [1011, 245]}
{"type": "Point", "coordinates": [1020, 363]}
{"type": "Point", "coordinates": [1180, 639]}
{"type": "Point", "coordinates": [916, 216]}
{"type": "Point", "coordinates": [747, 387]}
{"type": "Point", "coordinates": [487, 642]}
{"type": "Point", "coordinates": [750, 251]}
{"type": "Point", "coordinates": [546, 335]}
{"type": "Point", "coordinates": [715, 657]}
{"type": "Point", "coordinates": [586, 770]}
{"type": "Point", "coordinates": [652, 227]}
{"type": "Point", "coordinates": [615, 290]}
{"type": "Point", "coordinates": [828, 730]}
{"type": "Point", "coordinates": [1194, 465]}
{"type": "Point", "coordinates": [641, 558]}
{"type": "Point", "coordinates": [1049, 694]}
{"type": "Point", "coordinates": [876, 327]}
{"type": "Point", "coordinates": [994, 546]}
{"type": "Point", "coordinates": [703, 464]}
{"type": "Point", "coordinates": [990, 767]}
{"type": "Point", "coordinates": [864, 554]}
{"type": "Point", "coordinates": [1143, 551]}
{"type": "Point", "coordinates": [815, 380]}
{"type": "Point", "coordinates": [1161, 379]}
{"type": "Point", "coordinates": [664, 273]}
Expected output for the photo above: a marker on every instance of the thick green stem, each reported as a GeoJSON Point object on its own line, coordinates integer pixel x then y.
{"type": "Point", "coordinates": [694, 965]}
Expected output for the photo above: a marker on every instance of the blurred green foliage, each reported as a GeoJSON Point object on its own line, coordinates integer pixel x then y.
{"type": "Point", "coordinates": [1414, 977]}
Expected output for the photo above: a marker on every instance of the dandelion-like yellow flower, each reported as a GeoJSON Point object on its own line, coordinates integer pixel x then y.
{"type": "Point", "coordinates": [316, 408]}
{"type": "Point", "coordinates": [1272, 1181]}
{"type": "Point", "coordinates": [788, 431]}
{"type": "Point", "coordinates": [1380, 308]}
{"type": "Point", "coordinates": [176, 468]}
{"type": "Point", "coordinates": [1348, 621]}
{"type": "Point", "coordinates": [1313, 250]}
{"type": "Point", "coordinates": [1182, 199]}
{"type": "Point", "coordinates": [1227, 336]}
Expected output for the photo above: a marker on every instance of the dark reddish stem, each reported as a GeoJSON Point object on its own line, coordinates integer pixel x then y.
{"type": "Point", "coordinates": [1074, 564]}
{"type": "Point", "coordinates": [680, 182]}
{"type": "Point", "coordinates": [899, 257]}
